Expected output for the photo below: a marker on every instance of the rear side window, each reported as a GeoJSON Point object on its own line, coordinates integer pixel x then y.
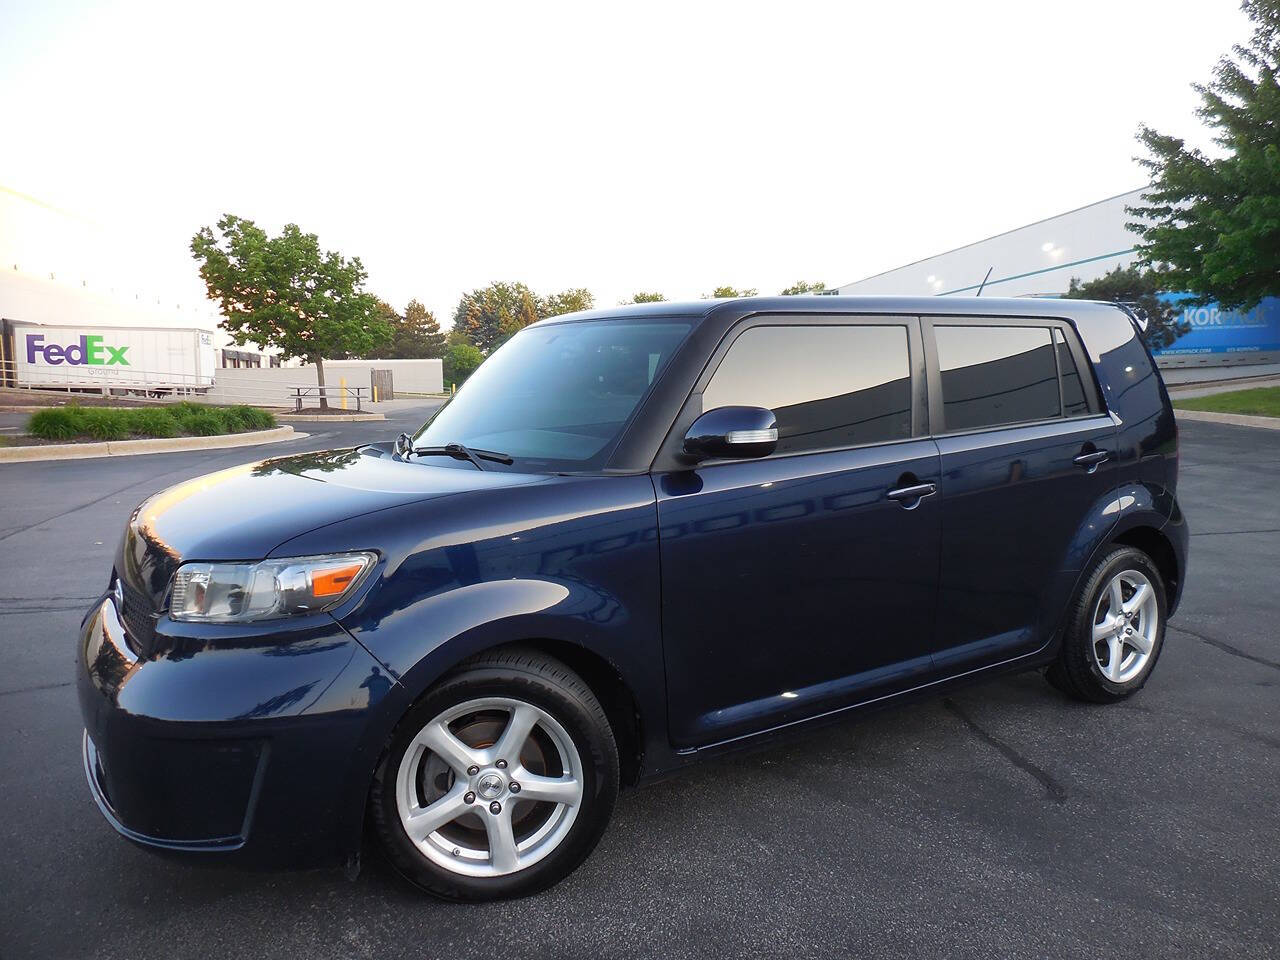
{"type": "Point", "coordinates": [996, 375]}
{"type": "Point", "coordinates": [829, 386]}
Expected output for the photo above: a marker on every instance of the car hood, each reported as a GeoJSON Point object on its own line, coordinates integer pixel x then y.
{"type": "Point", "coordinates": [246, 511]}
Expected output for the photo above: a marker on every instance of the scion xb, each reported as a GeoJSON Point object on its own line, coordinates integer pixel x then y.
{"type": "Point", "coordinates": [634, 538]}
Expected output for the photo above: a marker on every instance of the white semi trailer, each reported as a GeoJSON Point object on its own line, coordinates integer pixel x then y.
{"type": "Point", "coordinates": [147, 359]}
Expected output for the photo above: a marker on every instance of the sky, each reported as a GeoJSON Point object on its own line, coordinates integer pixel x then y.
{"type": "Point", "coordinates": [672, 147]}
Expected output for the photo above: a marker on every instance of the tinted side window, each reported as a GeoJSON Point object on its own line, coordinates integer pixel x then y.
{"type": "Point", "coordinates": [1074, 403]}
{"type": "Point", "coordinates": [829, 386]}
{"type": "Point", "coordinates": [996, 375]}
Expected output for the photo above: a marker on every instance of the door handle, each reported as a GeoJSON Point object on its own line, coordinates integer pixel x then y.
{"type": "Point", "coordinates": [911, 496]}
{"type": "Point", "coordinates": [1091, 459]}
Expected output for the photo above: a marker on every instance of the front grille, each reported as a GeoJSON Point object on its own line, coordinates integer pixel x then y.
{"type": "Point", "coordinates": [139, 619]}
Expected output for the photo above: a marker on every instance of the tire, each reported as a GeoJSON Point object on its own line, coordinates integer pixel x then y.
{"type": "Point", "coordinates": [503, 836]}
{"type": "Point", "coordinates": [1103, 658]}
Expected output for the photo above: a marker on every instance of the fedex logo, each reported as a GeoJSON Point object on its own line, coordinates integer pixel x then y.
{"type": "Point", "coordinates": [89, 351]}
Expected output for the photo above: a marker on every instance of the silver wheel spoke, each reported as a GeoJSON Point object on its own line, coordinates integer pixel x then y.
{"type": "Point", "coordinates": [439, 740]}
{"type": "Point", "coordinates": [1117, 597]}
{"type": "Point", "coordinates": [566, 789]}
{"type": "Point", "coordinates": [523, 719]}
{"type": "Point", "coordinates": [1103, 630]}
{"type": "Point", "coordinates": [424, 821]}
{"type": "Point", "coordinates": [1139, 641]}
{"type": "Point", "coordinates": [502, 841]}
{"type": "Point", "coordinates": [1116, 651]}
{"type": "Point", "coordinates": [1139, 598]}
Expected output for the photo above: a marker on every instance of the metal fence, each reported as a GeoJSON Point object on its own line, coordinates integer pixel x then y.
{"type": "Point", "coordinates": [159, 386]}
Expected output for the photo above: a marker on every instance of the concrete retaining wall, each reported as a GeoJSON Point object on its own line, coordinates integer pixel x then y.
{"type": "Point", "coordinates": [272, 386]}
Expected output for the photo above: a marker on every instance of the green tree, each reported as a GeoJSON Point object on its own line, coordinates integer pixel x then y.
{"type": "Point", "coordinates": [1212, 224]}
{"type": "Point", "coordinates": [460, 361]}
{"type": "Point", "coordinates": [489, 316]}
{"type": "Point", "coordinates": [1140, 289]}
{"type": "Point", "coordinates": [416, 335]}
{"type": "Point", "coordinates": [647, 298]}
{"type": "Point", "coordinates": [724, 293]}
{"type": "Point", "coordinates": [285, 292]}
{"type": "Point", "coordinates": [566, 301]}
{"type": "Point", "coordinates": [804, 287]}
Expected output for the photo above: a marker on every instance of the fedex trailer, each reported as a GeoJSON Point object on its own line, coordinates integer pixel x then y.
{"type": "Point", "coordinates": [162, 359]}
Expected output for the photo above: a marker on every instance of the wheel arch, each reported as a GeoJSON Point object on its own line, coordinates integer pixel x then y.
{"type": "Point", "coordinates": [621, 705]}
{"type": "Point", "coordinates": [1151, 541]}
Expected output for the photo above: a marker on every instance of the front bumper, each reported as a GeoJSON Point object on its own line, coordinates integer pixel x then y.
{"type": "Point", "coordinates": [257, 747]}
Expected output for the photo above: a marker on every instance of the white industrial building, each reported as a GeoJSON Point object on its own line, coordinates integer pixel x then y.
{"type": "Point", "coordinates": [1040, 260]}
{"type": "Point", "coordinates": [1037, 260]}
{"type": "Point", "coordinates": [59, 270]}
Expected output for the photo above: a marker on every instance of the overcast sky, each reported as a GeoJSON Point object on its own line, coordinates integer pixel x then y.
{"type": "Point", "coordinates": [670, 147]}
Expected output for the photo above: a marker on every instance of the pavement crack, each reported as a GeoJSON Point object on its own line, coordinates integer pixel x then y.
{"type": "Point", "coordinates": [43, 686]}
{"type": "Point", "coordinates": [1227, 648]}
{"type": "Point", "coordinates": [16, 605]}
{"type": "Point", "coordinates": [1231, 533]}
{"type": "Point", "coordinates": [1057, 793]}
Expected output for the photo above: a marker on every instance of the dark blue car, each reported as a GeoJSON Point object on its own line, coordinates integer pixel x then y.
{"type": "Point", "coordinates": [635, 537]}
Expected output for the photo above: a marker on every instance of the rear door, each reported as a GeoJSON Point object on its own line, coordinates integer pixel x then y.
{"type": "Point", "coordinates": [794, 584]}
{"type": "Point", "coordinates": [1027, 454]}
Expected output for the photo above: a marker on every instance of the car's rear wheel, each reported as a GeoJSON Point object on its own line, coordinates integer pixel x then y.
{"type": "Point", "coordinates": [1115, 629]}
{"type": "Point", "coordinates": [499, 781]}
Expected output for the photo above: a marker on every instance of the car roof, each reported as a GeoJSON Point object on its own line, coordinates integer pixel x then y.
{"type": "Point", "coordinates": [910, 306]}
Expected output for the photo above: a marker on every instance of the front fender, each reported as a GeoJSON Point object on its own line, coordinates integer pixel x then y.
{"type": "Point", "coordinates": [424, 640]}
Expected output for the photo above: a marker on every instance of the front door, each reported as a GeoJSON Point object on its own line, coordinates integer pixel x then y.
{"type": "Point", "coordinates": [795, 584]}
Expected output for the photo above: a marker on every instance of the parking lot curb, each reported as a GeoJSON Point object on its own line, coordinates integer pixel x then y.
{"type": "Point", "coordinates": [125, 448]}
{"type": "Point", "coordinates": [1238, 419]}
{"type": "Point", "coordinates": [331, 418]}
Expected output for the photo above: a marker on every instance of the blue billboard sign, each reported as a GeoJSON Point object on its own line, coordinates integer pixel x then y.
{"type": "Point", "coordinates": [1212, 330]}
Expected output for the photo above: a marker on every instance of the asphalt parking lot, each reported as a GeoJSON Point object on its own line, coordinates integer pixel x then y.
{"type": "Point", "coordinates": [1001, 821]}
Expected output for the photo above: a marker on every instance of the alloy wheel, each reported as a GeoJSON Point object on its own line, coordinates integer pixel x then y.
{"type": "Point", "coordinates": [489, 787]}
{"type": "Point", "coordinates": [1125, 624]}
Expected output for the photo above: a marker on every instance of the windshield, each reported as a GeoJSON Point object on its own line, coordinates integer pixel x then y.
{"type": "Point", "coordinates": [556, 397]}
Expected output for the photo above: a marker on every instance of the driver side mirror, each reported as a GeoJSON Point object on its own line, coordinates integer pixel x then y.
{"type": "Point", "coordinates": [732, 433]}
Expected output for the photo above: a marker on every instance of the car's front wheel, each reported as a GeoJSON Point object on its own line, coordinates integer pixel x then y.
{"type": "Point", "coordinates": [499, 781]}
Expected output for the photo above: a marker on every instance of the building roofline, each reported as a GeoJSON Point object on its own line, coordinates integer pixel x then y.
{"type": "Point", "coordinates": [994, 236]}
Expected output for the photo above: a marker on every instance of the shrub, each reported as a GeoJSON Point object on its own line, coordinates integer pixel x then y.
{"type": "Point", "coordinates": [255, 418]}
{"type": "Point", "coordinates": [103, 423]}
{"type": "Point", "coordinates": [153, 423]}
{"type": "Point", "coordinates": [460, 361]}
{"type": "Point", "coordinates": [56, 423]}
{"type": "Point", "coordinates": [203, 423]}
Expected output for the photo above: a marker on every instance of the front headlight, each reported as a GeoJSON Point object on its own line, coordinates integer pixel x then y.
{"type": "Point", "coordinates": [238, 592]}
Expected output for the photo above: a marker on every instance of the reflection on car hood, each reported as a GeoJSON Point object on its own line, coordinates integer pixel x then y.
{"type": "Point", "coordinates": [244, 512]}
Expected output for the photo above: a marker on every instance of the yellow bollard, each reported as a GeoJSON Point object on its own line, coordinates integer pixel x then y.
{"type": "Point", "coordinates": [342, 385]}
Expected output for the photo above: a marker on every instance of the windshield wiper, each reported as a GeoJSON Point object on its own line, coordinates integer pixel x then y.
{"type": "Point", "coordinates": [460, 452]}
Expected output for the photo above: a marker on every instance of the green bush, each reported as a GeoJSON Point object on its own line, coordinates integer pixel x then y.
{"type": "Point", "coordinates": [152, 423]}
{"type": "Point", "coordinates": [255, 418]}
{"type": "Point", "coordinates": [204, 423]}
{"type": "Point", "coordinates": [56, 423]}
{"type": "Point", "coordinates": [103, 423]}
{"type": "Point", "coordinates": [460, 361]}
{"type": "Point", "coordinates": [106, 423]}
